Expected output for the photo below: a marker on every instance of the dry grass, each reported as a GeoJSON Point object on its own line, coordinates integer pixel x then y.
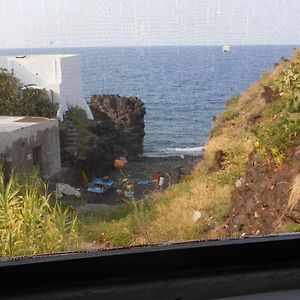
{"type": "Point", "coordinates": [174, 221]}
{"type": "Point", "coordinates": [294, 194]}
{"type": "Point", "coordinates": [235, 143]}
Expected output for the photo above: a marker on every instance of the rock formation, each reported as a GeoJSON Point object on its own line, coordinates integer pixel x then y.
{"type": "Point", "coordinates": [117, 130]}
{"type": "Point", "coordinates": [127, 117]}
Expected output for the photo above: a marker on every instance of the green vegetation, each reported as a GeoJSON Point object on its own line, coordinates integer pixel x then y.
{"type": "Point", "coordinates": [291, 227]}
{"type": "Point", "coordinates": [274, 140]}
{"type": "Point", "coordinates": [79, 118]}
{"type": "Point", "coordinates": [116, 227]}
{"type": "Point", "coordinates": [15, 101]}
{"type": "Point", "coordinates": [228, 115]}
{"type": "Point", "coordinates": [29, 225]}
{"type": "Point", "coordinates": [78, 152]}
{"type": "Point", "coordinates": [276, 135]}
{"type": "Point", "coordinates": [217, 130]}
{"type": "Point", "coordinates": [231, 111]}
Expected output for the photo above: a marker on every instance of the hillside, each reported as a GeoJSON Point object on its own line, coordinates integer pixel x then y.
{"type": "Point", "coordinates": [247, 183]}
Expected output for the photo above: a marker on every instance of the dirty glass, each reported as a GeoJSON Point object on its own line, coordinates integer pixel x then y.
{"type": "Point", "coordinates": [125, 123]}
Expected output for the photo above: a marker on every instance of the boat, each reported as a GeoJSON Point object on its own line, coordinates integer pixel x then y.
{"type": "Point", "coordinates": [100, 186]}
{"type": "Point", "coordinates": [226, 48]}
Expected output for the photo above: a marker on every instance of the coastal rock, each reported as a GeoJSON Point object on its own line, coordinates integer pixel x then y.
{"type": "Point", "coordinates": [261, 202]}
{"type": "Point", "coordinates": [219, 160]}
{"type": "Point", "coordinates": [117, 130]}
{"type": "Point", "coordinates": [269, 94]}
{"type": "Point", "coordinates": [124, 118]}
{"type": "Point", "coordinates": [254, 117]}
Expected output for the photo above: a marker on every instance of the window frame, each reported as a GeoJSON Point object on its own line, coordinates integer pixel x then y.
{"type": "Point", "coordinates": [239, 266]}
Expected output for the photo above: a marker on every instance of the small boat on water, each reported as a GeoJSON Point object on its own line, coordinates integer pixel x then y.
{"type": "Point", "coordinates": [226, 48]}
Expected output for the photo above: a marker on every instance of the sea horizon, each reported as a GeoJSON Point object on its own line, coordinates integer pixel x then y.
{"type": "Point", "coordinates": [182, 87]}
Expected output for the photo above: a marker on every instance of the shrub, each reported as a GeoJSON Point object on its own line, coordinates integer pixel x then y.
{"type": "Point", "coordinates": [216, 131]}
{"type": "Point", "coordinates": [228, 115]}
{"type": "Point", "coordinates": [15, 101]}
{"type": "Point", "coordinates": [273, 140]}
{"type": "Point", "coordinates": [79, 118]}
{"type": "Point", "coordinates": [35, 102]}
{"type": "Point", "coordinates": [288, 86]}
{"type": "Point", "coordinates": [233, 101]}
{"type": "Point", "coordinates": [274, 108]}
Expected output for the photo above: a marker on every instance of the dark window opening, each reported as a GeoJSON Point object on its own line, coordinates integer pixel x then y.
{"type": "Point", "coordinates": [37, 157]}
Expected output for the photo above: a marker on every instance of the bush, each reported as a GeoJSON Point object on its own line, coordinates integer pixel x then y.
{"type": "Point", "coordinates": [28, 223]}
{"type": "Point", "coordinates": [274, 108]}
{"type": "Point", "coordinates": [228, 115]}
{"type": "Point", "coordinates": [216, 131]}
{"type": "Point", "coordinates": [15, 101]}
{"type": "Point", "coordinates": [233, 102]}
{"type": "Point", "coordinates": [288, 86]}
{"type": "Point", "coordinates": [274, 140]}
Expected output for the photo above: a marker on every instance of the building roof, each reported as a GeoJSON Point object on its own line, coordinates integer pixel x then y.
{"type": "Point", "coordinates": [44, 56]}
{"type": "Point", "coordinates": [9, 124]}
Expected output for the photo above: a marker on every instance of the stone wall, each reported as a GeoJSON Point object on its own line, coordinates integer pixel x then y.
{"type": "Point", "coordinates": [37, 143]}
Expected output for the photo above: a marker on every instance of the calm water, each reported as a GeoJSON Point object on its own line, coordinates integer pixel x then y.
{"type": "Point", "coordinates": [182, 87]}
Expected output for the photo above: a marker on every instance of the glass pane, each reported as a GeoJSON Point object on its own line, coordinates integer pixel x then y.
{"type": "Point", "coordinates": [125, 123]}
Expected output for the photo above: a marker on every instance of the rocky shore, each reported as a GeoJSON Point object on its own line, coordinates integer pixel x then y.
{"type": "Point", "coordinates": [173, 168]}
{"type": "Point", "coordinates": [117, 130]}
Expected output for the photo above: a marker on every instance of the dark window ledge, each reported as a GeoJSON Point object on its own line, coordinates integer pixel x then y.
{"type": "Point", "coordinates": [194, 270]}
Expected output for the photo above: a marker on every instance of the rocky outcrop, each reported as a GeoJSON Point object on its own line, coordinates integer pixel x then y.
{"type": "Point", "coordinates": [259, 204]}
{"type": "Point", "coordinates": [125, 117]}
{"type": "Point", "coordinates": [117, 130]}
{"type": "Point", "coordinates": [218, 162]}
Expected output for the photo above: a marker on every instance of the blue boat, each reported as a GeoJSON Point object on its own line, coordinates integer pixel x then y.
{"type": "Point", "coordinates": [100, 186]}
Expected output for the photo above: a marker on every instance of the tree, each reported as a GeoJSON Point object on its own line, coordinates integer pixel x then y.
{"type": "Point", "coordinates": [18, 101]}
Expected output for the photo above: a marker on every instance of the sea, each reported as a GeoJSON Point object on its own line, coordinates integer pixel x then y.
{"type": "Point", "coordinates": [182, 87]}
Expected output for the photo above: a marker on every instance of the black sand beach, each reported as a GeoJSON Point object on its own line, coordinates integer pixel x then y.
{"type": "Point", "coordinates": [141, 170]}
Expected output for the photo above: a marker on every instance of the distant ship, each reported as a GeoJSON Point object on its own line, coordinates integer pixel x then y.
{"type": "Point", "coordinates": [226, 48]}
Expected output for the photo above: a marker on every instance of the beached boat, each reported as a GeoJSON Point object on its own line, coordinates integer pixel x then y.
{"type": "Point", "coordinates": [100, 186]}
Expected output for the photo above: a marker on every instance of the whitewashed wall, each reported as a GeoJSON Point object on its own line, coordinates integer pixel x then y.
{"type": "Point", "coordinates": [59, 73]}
{"type": "Point", "coordinates": [71, 89]}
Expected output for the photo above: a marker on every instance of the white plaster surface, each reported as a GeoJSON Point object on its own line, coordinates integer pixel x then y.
{"type": "Point", "coordinates": [9, 124]}
{"type": "Point", "coordinates": [60, 74]}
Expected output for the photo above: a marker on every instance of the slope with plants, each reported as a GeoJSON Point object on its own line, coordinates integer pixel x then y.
{"type": "Point", "coordinates": [247, 183]}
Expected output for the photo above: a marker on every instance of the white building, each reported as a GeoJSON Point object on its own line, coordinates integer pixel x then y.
{"type": "Point", "coordinates": [60, 75]}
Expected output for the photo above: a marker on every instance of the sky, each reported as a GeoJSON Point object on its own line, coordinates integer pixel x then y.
{"type": "Point", "coordinates": [88, 23]}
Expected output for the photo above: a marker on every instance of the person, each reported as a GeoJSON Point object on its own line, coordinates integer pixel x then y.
{"type": "Point", "coordinates": [161, 182]}
{"type": "Point", "coordinates": [122, 195]}
{"type": "Point", "coordinates": [157, 177]}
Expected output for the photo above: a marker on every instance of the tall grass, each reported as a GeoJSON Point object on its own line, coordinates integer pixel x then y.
{"type": "Point", "coordinates": [29, 224]}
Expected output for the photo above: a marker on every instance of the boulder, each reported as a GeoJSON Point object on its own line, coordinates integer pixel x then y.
{"type": "Point", "coordinates": [218, 161]}
{"type": "Point", "coordinates": [124, 118]}
{"type": "Point", "coordinates": [117, 130]}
